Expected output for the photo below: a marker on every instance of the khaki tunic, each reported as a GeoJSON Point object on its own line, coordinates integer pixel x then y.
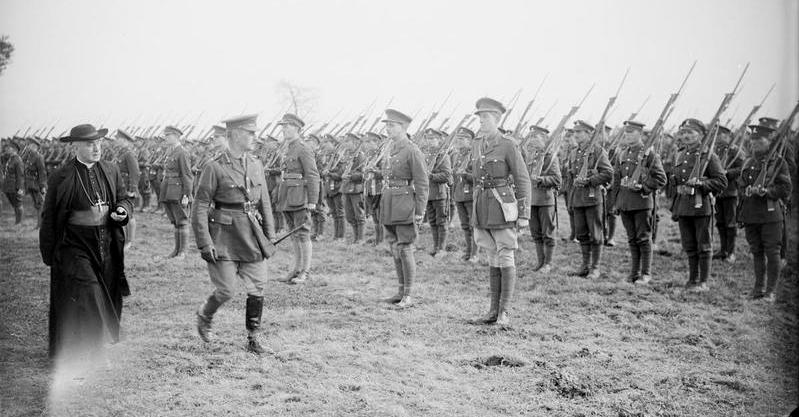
{"type": "Point", "coordinates": [405, 184]}
{"type": "Point", "coordinates": [300, 184]}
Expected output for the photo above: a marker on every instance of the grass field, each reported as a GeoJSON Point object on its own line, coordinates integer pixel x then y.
{"type": "Point", "coordinates": [575, 348]}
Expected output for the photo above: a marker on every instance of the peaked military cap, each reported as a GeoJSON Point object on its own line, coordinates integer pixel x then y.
{"type": "Point", "coordinates": [634, 124]}
{"type": "Point", "coordinates": [695, 125]}
{"type": "Point", "coordinates": [431, 131]}
{"type": "Point", "coordinates": [372, 135]}
{"type": "Point", "coordinates": [725, 130]}
{"type": "Point", "coordinates": [218, 130]}
{"type": "Point", "coordinates": [766, 123]}
{"type": "Point", "coordinates": [172, 129]}
{"type": "Point", "coordinates": [291, 119]}
{"type": "Point", "coordinates": [247, 122]}
{"type": "Point", "coordinates": [394, 116]}
{"type": "Point", "coordinates": [487, 104]}
{"type": "Point", "coordinates": [582, 125]}
{"type": "Point", "coordinates": [539, 129]}
{"type": "Point", "coordinates": [466, 131]}
{"type": "Point", "coordinates": [84, 133]}
{"type": "Point", "coordinates": [121, 134]}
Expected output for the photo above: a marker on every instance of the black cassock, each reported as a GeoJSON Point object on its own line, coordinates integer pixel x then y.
{"type": "Point", "coordinates": [87, 274]}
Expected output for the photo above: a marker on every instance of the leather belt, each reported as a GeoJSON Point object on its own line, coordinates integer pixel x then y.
{"type": "Point", "coordinates": [292, 176]}
{"type": "Point", "coordinates": [246, 206]}
{"type": "Point", "coordinates": [396, 182]}
{"type": "Point", "coordinates": [91, 217]}
{"type": "Point", "coordinates": [493, 183]}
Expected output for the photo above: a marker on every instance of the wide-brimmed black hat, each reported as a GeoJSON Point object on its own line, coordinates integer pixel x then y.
{"type": "Point", "coordinates": [84, 133]}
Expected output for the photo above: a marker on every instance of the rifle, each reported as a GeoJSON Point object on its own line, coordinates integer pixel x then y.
{"type": "Point", "coordinates": [740, 133]}
{"type": "Point", "coordinates": [511, 105]}
{"type": "Point", "coordinates": [447, 145]}
{"type": "Point", "coordinates": [430, 119]}
{"type": "Point", "coordinates": [775, 158]}
{"type": "Point", "coordinates": [709, 141]}
{"type": "Point", "coordinates": [553, 145]}
{"type": "Point", "coordinates": [598, 130]}
{"type": "Point", "coordinates": [634, 114]}
{"type": "Point", "coordinates": [657, 129]}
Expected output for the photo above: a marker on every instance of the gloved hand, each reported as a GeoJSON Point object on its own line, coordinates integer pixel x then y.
{"type": "Point", "coordinates": [208, 254]}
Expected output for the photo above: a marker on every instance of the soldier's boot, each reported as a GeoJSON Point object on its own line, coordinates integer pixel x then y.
{"type": "Point", "coordinates": [408, 275]}
{"type": "Point", "coordinates": [539, 252]}
{"type": "Point", "coordinates": [183, 242]}
{"type": "Point", "coordinates": [585, 251]}
{"type": "Point", "coordinates": [494, 285]}
{"type": "Point", "coordinates": [176, 236]}
{"type": "Point", "coordinates": [596, 257]}
{"type": "Point", "coordinates": [611, 232]}
{"type": "Point", "coordinates": [358, 232]}
{"type": "Point", "coordinates": [205, 315]}
{"type": "Point", "coordinates": [548, 251]}
{"type": "Point", "coordinates": [635, 263]}
{"type": "Point", "coordinates": [378, 234]}
{"type": "Point", "coordinates": [704, 271]}
{"type": "Point", "coordinates": [442, 239]}
{"type": "Point", "coordinates": [731, 235]}
{"type": "Point", "coordinates": [434, 231]}
{"type": "Point", "coordinates": [507, 286]}
{"type": "Point", "coordinates": [18, 213]}
{"type": "Point", "coordinates": [572, 235]}
{"type": "Point", "coordinates": [760, 274]}
{"type": "Point", "coordinates": [401, 288]}
{"type": "Point", "coordinates": [467, 244]}
{"type": "Point", "coordinates": [693, 271]}
{"type": "Point", "coordinates": [773, 268]}
{"type": "Point", "coordinates": [646, 263]}
{"type": "Point", "coordinates": [722, 252]}
{"type": "Point", "coordinates": [252, 313]}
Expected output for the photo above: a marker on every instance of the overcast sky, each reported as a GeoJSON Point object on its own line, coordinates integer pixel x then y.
{"type": "Point", "coordinates": [110, 62]}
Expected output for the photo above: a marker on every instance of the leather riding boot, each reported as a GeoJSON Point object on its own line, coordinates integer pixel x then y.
{"type": "Point", "coordinates": [759, 260]}
{"type": "Point", "coordinates": [507, 286]}
{"type": "Point", "coordinates": [401, 288]}
{"type": "Point", "coordinates": [436, 237]}
{"type": "Point", "coordinates": [252, 315]}
{"type": "Point", "coordinates": [704, 267]}
{"type": "Point", "coordinates": [693, 270]}
{"type": "Point", "coordinates": [494, 284]}
{"type": "Point", "coordinates": [176, 236]}
{"type": "Point", "coordinates": [408, 274]}
{"type": "Point", "coordinates": [646, 262]}
{"type": "Point", "coordinates": [773, 267]}
{"type": "Point", "coordinates": [204, 317]}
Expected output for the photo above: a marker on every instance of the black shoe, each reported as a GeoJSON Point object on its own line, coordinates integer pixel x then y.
{"type": "Point", "coordinates": [254, 347]}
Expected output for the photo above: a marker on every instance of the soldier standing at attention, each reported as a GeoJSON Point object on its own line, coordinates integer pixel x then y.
{"type": "Point", "coordinates": [231, 217]}
{"type": "Point", "coordinates": [762, 210]}
{"type": "Point", "coordinates": [297, 195]}
{"type": "Point", "coordinates": [333, 196]}
{"type": "Point", "coordinates": [13, 178]}
{"type": "Point", "coordinates": [352, 189]}
{"type": "Point", "coordinates": [35, 177]}
{"type": "Point", "coordinates": [463, 188]}
{"type": "Point", "coordinates": [544, 198]}
{"type": "Point", "coordinates": [637, 175]}
{"type": "Point", "coordinates": [129, 168]}
{"type": "Point", "coordinates": [497, 211]}
{"type": "Point", "coordinates": [727, 202]}
{"type": "Point", "coordinates": [438, 198]}
{"type": "Point", "coordinates": [373, 188]}
{"type": "Point", "coordinates": [586, 197]}
{"type": "Point", "coordinates": [175, 191]}
{"type": "Point", "coordinates": [317, 214]}
{"type": "Point", "coordinates": [405, 188]}
{"type": "Point", "coordinates": [694, 220]}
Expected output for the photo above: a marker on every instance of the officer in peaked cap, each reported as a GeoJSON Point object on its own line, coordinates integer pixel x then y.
{"type": "Point", "coordinates": [402, 204]}
{"type": "Point", "coordinates": [298, 194]}
{"type": "Point", "coordinates": [232, 221]}
{"type": "Point", "coordinates": [176, 189]}
{"type": "Point", "coordinates": [498, 208]}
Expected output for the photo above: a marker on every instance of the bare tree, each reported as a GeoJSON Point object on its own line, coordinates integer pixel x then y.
{"type": "Point", "coordinates": [298, 99]}
{"type": "Point", "coordinates": [6, 49]}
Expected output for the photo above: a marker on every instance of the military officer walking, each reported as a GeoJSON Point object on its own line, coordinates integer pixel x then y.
{"type": "Point", "coordinates": [637, 175]}
{"type": "Point", "coordinates": [297, 195]}
{"type": "Point", "coordinates": [498, 208]}
{"type": "Point", "coordinates": [403, 201]}
{"type": "Point", "coordinates": [692, 205]}
{"type": "Point", "coordinates": [13, 178]}
{"type": "Point", "coordinates": [232, 218]}
{"type": "Point", "coordinates": [175, 190]}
